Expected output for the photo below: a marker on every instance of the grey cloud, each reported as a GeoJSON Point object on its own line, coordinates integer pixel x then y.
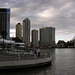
{"type": "Point", "coordinates": [61, 13]}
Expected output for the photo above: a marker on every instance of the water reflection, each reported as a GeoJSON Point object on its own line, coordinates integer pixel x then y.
{"type": "Point", "coordinates": [43, 70]}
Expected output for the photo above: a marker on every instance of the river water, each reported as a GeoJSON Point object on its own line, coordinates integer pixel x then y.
{"type": "Point", "coordinates": [63, 63]}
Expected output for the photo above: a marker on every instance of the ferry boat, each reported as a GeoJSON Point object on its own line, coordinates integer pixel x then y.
{"type": "Point", "coordinates": [18, 58]}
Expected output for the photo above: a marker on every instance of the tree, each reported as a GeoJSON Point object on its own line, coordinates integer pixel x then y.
{"type": "Point", "coordinates": [3, 34]}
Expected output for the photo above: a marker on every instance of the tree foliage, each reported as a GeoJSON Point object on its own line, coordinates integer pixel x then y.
{"type": "Point", "coordinates": [4, 34]}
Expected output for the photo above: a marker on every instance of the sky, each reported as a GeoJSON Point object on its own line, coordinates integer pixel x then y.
{"type": "Point", "coordinates": [43, 13]}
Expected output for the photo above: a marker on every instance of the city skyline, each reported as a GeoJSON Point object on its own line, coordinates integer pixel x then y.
{"type": "Point", "coordinates": [5, 21]}
{"type": "Point", "coordinates": [44, 13]}
{"type": "Point", "coordinates": [19, 30]}
{"type": "Point", "coordinates": [34, 37]}
{"type": "Point", "coordinates": [26, 31]}
{"type": "Point", "coordinates": [47, 36]}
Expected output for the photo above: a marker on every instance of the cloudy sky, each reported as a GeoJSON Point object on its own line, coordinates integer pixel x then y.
{"type": "Point", "coordinates": [44, 13]}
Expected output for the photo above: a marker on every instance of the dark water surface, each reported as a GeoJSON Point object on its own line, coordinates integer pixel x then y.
{"type": "Point", "coordinates": [63, 63]}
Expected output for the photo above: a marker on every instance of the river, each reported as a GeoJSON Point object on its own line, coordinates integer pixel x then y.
{"type": "Point", "coordinates": [63, 63]}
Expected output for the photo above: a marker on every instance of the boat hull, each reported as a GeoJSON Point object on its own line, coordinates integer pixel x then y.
{"type": "Point", "coordinates": [25, 63]}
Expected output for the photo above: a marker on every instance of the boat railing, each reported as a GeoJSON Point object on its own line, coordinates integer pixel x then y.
{"type": "Point", "coordinates": [17, 56]}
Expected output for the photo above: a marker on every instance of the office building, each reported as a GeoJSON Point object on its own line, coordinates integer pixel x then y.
{"type": "Point", "coordinates": [5, 21]}
{"type": "Point", "coordinates": [18, 30]}
{"type": "Point", "coordinates": [26, 32]}
{"type": "Point", "coordinates": [35, 38]}
{"type": "Point", "coordinates": [47, 36]}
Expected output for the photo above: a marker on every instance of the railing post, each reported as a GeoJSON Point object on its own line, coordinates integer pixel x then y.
{"type": "Point", "coordinates": [49, 54]}
{"type": "Point", "coordinates": [18, 57]}
{"type": "Point", "coordinates": [45, 55]}
{"type": "Point", "coordinates": [34, 56]}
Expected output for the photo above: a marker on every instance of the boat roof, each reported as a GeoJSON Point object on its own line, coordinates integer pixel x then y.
{"type": "Point", "coordinates": [7, 41]}
{"type": "Point", "coordinates": [19, 43]}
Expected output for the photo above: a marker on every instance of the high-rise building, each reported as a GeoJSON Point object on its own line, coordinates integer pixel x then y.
{"type": "Point", "coordinates": [35, 38]}
{"type": "Point", "coordinates": [26, 31]}
{"type": "Point", "coordinates": [5, 21]}
{"type": "Point", "coordinates": [18, 30]}
{"type": "Point", "coordinates": [47, 36]}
